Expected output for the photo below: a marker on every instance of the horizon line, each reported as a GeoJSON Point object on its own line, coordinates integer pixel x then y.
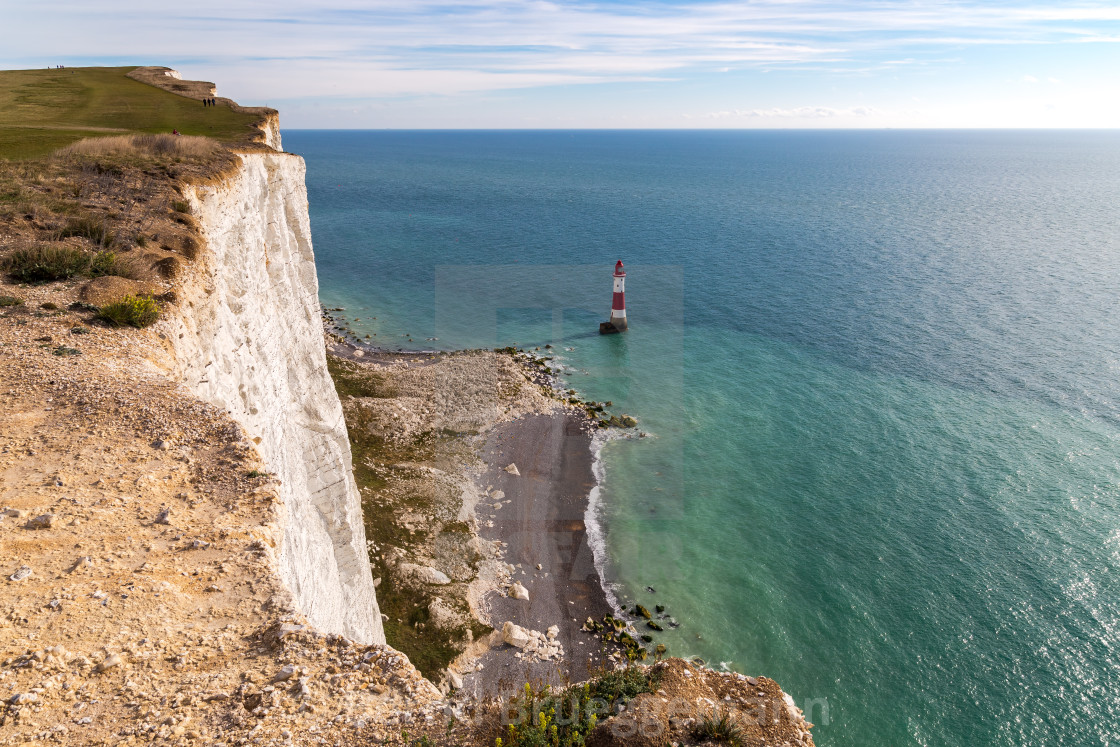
{"type": "Point", "coordinates": [698, 129]}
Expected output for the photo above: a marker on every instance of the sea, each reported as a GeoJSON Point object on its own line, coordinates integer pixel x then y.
{"type": "Point", "coordinates": [876, 373]}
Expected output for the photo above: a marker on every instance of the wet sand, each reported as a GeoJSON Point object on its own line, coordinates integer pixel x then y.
{"type": "Point", "coordinates": [542, 524]}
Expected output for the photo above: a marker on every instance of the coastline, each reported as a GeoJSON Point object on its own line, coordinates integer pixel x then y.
{"type": "Point", "coordinates": [541, 525]}
{"type": "Point", "coordinates": [536, 516]}
{"type": "Point", "coordinates": [528, 497]}
{"type": "Point", "coordinates": [181, 623]}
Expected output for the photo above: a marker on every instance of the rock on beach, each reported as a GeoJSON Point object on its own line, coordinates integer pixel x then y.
{"type": "Point", "coordinates": [515, 635]}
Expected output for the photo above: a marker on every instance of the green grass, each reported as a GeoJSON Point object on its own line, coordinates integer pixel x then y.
{"type": "Point", "coordinates": [429, 649]}
{"type": "Point", "coordinates": [428, 652]}
{"type": "Point", "coordinates": [111, 263]}
{"type": "Point", "coordinates": [351, 380]}
{"type": "Point", "coordinates": [721, 729]}
{"type": "Point", "coordinates": [43, 110]}
{"type": "Point", "coordinates": [44, 264]}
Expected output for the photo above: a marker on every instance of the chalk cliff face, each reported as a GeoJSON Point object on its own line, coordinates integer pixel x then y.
{"type": "Point", "coordinates": [271, 130]}
{"type": "Point", "coordinates": [248, 339]}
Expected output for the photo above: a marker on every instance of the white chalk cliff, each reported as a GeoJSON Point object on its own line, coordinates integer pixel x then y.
{"type": "Point", "coordinates": [248, 339]}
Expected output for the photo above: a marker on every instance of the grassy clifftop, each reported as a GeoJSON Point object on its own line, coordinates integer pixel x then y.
{"type": "Point", "coordinates": [43, 110]}
{"type": "Point", "coordinates": [90, 174]}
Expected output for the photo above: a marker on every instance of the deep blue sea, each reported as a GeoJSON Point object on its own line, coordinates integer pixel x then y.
{"type": "Point", "coordinates": [880, 372]}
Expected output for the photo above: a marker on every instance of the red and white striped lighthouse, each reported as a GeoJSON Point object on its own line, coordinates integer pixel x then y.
{"type": "Point", "coordinates": [618, 305]}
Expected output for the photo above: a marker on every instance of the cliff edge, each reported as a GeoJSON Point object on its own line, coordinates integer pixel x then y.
{"type": "Point", "coordinates": [183, 558]}
{"type": "Point", "coordinates": [248, 339]}
{"type": "Point", "coordinates": [182, 554]}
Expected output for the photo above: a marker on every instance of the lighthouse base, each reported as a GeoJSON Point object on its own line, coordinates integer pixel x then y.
{"type": "Point", "coordinates": [610, 328]}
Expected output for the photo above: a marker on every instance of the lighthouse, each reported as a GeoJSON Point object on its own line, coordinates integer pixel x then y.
{"type": "Point", "coordinates": [618, 305]}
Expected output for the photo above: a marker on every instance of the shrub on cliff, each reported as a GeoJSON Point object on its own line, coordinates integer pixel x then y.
{"type": "Point", "coordinates": [137, 311]}
{"type": "Point", "coordinates": [43, 264]}
{"type": "Point", "coordinates": [47, 263]}
{"type": "Point", "coordinates": [565, 718]}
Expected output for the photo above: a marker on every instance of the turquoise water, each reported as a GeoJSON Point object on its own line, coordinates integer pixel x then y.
{"type": "Point", "coordinates": [879, 371]}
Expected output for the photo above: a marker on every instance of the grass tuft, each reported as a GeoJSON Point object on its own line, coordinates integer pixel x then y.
{"type": "Point", "coordinates": [10, 301]}
{"type": "Point", "coordinates": [88, 227]}
{"type": "Point", "coordinates": [137, 311]}
{"type": "Point", "coordinates": [111, 263]}
{"type": "Point", "coordinates": [45, 264]}
{"type": "Point", "coordinates": [722, 729]}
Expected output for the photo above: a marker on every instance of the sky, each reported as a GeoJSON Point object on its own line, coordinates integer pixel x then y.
{"type": "Point", "coordinates": [464, 64]}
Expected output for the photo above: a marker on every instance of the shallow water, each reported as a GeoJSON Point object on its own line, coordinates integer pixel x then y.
{"type": "Point", "coordinates": [879, 370]}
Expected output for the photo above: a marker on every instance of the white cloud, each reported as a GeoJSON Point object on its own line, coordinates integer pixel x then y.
{"type": "Point", "coordinates": [453, 46]}
{"type": "Point", "coordinates": [800, 112]}
{"type": "Point", "coordinates": [331, 55]}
